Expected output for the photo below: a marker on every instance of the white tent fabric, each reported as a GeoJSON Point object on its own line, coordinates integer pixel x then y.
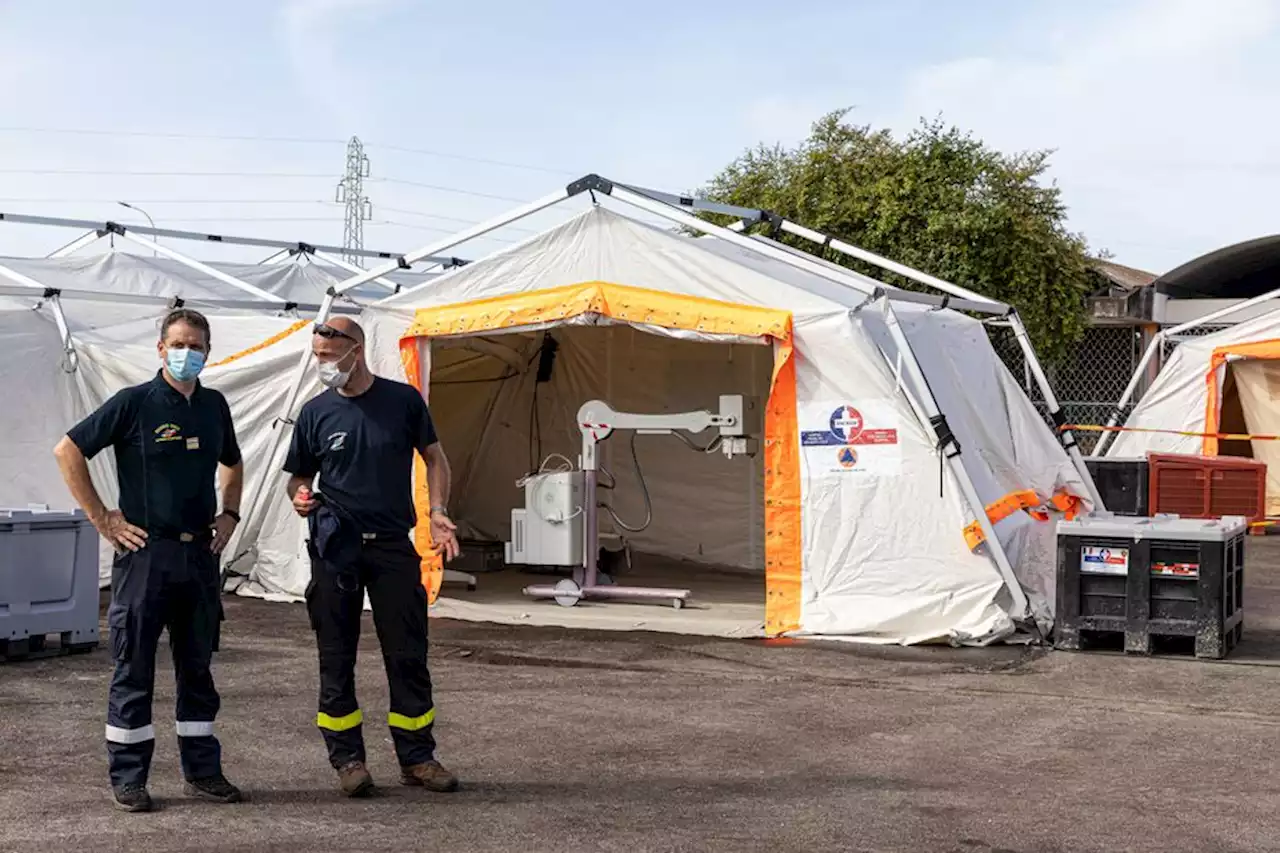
{"type": "Point", "coordinates": [1177, 399]}
{"type": "Point", "coordinates": [115, 346]}
{"type": "Point", "coordinates": [884, 558]}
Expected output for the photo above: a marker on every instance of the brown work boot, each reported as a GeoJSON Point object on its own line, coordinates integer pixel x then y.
{"type": "Point", "coordinates": [354, 779]}
{"type": "Point", "coordinates": [431, 775]}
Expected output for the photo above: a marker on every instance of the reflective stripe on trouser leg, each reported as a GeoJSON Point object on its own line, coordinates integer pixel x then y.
{"type": "Point", "coordinates": [195, 609]}
{"type": "Point", "coordinates": [411, 724]}
{"type": "Point", "coordinates": [135, 621]}
{"type": "Point", "coordinates": [400, 617]}
{"type": "Point", "coordinates": [130, 737]}
{"type": "Point", "coordinates": [335, 612]}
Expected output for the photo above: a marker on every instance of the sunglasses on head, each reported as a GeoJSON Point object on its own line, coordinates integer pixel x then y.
{"type": "Point", "coordinates": [326, 331]}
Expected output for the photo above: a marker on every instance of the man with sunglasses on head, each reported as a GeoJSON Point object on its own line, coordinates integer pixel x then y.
{"type": "Point", "coordinates": [359, 436]}
{"type": "Point", "coordinates": [171, 436]}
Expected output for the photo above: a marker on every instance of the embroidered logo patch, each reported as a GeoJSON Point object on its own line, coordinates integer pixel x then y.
{"type": "Point", "coordinates": [168, 432]}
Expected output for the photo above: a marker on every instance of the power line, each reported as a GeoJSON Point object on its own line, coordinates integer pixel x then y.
{"type": "Point", "coordinates": [444, 189]}
{"type": "Point", "coordinates": [288, 140]}
{"type": "Point", "coordinates": [457, 219]}
{"type": "Point", "coordinates": [168, 200]}
{"type": "Point", "coordinates": [147, 174]}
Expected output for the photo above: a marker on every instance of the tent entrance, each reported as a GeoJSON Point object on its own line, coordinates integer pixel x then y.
{"type": "Point", "coordinates": [505, 407]}
{"type": "Point", "coordinates": [1251, 405]}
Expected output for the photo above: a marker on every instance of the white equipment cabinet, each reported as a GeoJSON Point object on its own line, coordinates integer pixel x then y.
{"type": "Point", "coordinates": [548, 530]}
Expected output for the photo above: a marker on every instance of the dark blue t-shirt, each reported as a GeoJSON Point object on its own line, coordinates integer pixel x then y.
{"type": "Point", "coordinates": [167, 451]}
{"type": "Point", "coordinates": [362, 447]}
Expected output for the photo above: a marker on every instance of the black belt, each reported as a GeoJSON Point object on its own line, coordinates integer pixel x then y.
{"type": "Point", "coordinates": [179, 536]}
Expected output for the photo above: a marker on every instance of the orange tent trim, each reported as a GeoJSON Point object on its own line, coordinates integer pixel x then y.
{"type": "Point", "coordinates": [644, 307]}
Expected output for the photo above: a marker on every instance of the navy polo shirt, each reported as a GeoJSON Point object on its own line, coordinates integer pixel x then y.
{"type": "Point", "coordinates": [167, 452]}
{"type": "Point", "coordinates": [362, 447]}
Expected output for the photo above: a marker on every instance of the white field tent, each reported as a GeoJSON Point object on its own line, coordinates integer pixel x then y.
{"type": "Point", "coordinates": [1224, 382]}
{"type": "Point", "coordinates": [887, 543]}
{"type": "Point", "coordinates": [78, 328]}
{"type": "Point", "coordinates": [869, 546]}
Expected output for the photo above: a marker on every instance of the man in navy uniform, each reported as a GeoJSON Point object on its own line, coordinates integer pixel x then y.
{"type": "Point", "coordinates": [171, 436]}
{"type": "Point", "coordinates": [360, 436]}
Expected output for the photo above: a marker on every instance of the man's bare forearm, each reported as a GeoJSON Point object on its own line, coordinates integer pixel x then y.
{"type": "Point", "coordinates": [232, 486]}
{"type": "Point", "coordinates": [438, 475]}
{"type": "Point", "coordinates": [75, 472]}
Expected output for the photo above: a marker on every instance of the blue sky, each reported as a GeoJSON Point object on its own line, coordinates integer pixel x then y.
{"type": "Point", "coordinates": [1164, 113]}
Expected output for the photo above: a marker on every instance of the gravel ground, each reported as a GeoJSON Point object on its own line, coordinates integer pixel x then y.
{"type": "Point", "coordinates": [571, 740]}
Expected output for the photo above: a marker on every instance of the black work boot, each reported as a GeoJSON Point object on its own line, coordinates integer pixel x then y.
{"type": "Point", "coordinates": [431, 775]}
{"type": "Point", "coordinates": [132, 798]}
{"type": "Point", "coordinates": [216, 789]}
{"type": "Point", "coordinates": [355, 780]}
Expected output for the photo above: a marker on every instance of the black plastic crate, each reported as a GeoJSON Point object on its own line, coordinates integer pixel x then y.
{"type": "Point", "coordinates": [1147, 578]}
{"type": "Point", "coordinates": [1123, 483]}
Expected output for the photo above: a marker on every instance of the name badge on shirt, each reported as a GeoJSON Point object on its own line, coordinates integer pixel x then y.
{"type": "Point", "coordinates": [193, 443]}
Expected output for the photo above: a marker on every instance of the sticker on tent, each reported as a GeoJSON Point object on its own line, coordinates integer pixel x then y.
{"type": "Point", "coordinates": [859, 437]}
{"type": "Point", "coordinates": [1095, 560]}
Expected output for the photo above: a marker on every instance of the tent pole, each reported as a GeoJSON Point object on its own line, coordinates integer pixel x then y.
{"type": "Point", "coordinates": [1114, 420]}
{"type": "Point", "coordinates": [198, 266]}
{"type": "Point", "coordinates": [76, 245]}
{"type": "Point", "coordinates": [114, 227]}
{"type": "Point", "coordinates": [449, 242]}
{"type": "Point", "coordinates": [639, 199]}
{"type": "Point", "coordinates": [343, 264]}
{"type": "Point", "coordinates": [284, 421]}
{"type": "Point", "coordinates": [1224, 312]}
{"type": "Point", "coordinates": [278, 258]}
{"type": "Point", "coordinates": [935, 423]}
{"type": "Point", "coordinates": [749, 215]}
{"type": "Point", "coordinates": [1067, 439]}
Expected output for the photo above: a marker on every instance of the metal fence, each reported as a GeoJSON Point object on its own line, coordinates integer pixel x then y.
{"type": "Point", "coordinates": [1089, 382]}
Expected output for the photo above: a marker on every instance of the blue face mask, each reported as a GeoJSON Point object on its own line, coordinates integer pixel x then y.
{"type": "Point", "coordinates": [184, 364]}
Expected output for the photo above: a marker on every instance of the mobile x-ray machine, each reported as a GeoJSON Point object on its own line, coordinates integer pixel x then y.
{"type": "Point", "coordinates": [559, 524]}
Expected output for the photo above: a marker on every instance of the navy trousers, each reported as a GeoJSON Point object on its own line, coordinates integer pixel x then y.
{"type": "Point", "coordinates": [389, 569]}
{"type": "Point", "coordinates": [174, 585]}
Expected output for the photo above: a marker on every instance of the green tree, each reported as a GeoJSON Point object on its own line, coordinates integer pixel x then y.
{"type": "Point", "coordinates": [937, 200]}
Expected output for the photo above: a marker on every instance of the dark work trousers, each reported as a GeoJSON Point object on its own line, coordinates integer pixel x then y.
{"type": "Point", "coordinates": [168, 584]}
{"type": "Point", "coordinates": [389, 569]}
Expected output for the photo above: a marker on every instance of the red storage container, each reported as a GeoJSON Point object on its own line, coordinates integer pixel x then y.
{"type": "Point", "coordinates": [1207, 486]}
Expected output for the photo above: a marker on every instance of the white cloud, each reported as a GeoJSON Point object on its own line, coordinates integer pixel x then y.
{"type": "Point", "coordinates": [1154, 113]}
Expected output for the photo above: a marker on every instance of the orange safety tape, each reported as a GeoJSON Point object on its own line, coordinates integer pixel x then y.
{"type": "Point", "coordinates": [276, 338]}
{"type": "Point", "coordinates": [1221, 436]}
{"type": "Point", "coordinates": [1026, 499]}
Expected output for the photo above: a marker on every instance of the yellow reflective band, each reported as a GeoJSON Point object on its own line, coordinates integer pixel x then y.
{"type": "Point", "coordinates": [340, 724]}
{"type": "Point", "coordinates": [411, 724]}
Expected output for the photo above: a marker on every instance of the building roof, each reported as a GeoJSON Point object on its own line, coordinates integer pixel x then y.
{"type": "Point", "coordinates": [1120, 275]}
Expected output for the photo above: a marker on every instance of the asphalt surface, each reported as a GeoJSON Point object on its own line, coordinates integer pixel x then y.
{"type": "Point", "coordinates": [572, 741]}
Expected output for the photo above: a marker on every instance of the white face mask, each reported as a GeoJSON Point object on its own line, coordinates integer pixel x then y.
{"type": "Point", "coordinates": [331, 375]}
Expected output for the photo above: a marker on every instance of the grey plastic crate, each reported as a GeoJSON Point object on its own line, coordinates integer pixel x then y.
{"type": "Point", "coordinates": [48, 581]}
{"type": "Point", "coordinates": [1145, 578]}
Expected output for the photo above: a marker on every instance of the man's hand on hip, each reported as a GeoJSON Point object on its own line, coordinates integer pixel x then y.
{"type": "Point", "coordinates": [444, 535]}
{"type": "Point", "coordinates": [120, 533]}
{"type": "Point", "coordinates": [223, 526]}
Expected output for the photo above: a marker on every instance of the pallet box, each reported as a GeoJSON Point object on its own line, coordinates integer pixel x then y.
{"type": "Point", "coordinates": [1151, 577]}
{"type": "Point", "coordinates": [48, 581]}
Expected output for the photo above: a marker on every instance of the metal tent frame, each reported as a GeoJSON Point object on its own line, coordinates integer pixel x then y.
{"type": "Point", "coordinates": [677, 209]}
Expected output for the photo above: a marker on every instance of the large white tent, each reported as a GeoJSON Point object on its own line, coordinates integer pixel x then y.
{"type": "Point", "coordinates": [1225, 382]}
{"type": "Point", "coordinates": [650, 320]}
{"type": "Point", "coordinates": [927, 530]}
{"type": "Point", "coordinates": [79, 327]}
